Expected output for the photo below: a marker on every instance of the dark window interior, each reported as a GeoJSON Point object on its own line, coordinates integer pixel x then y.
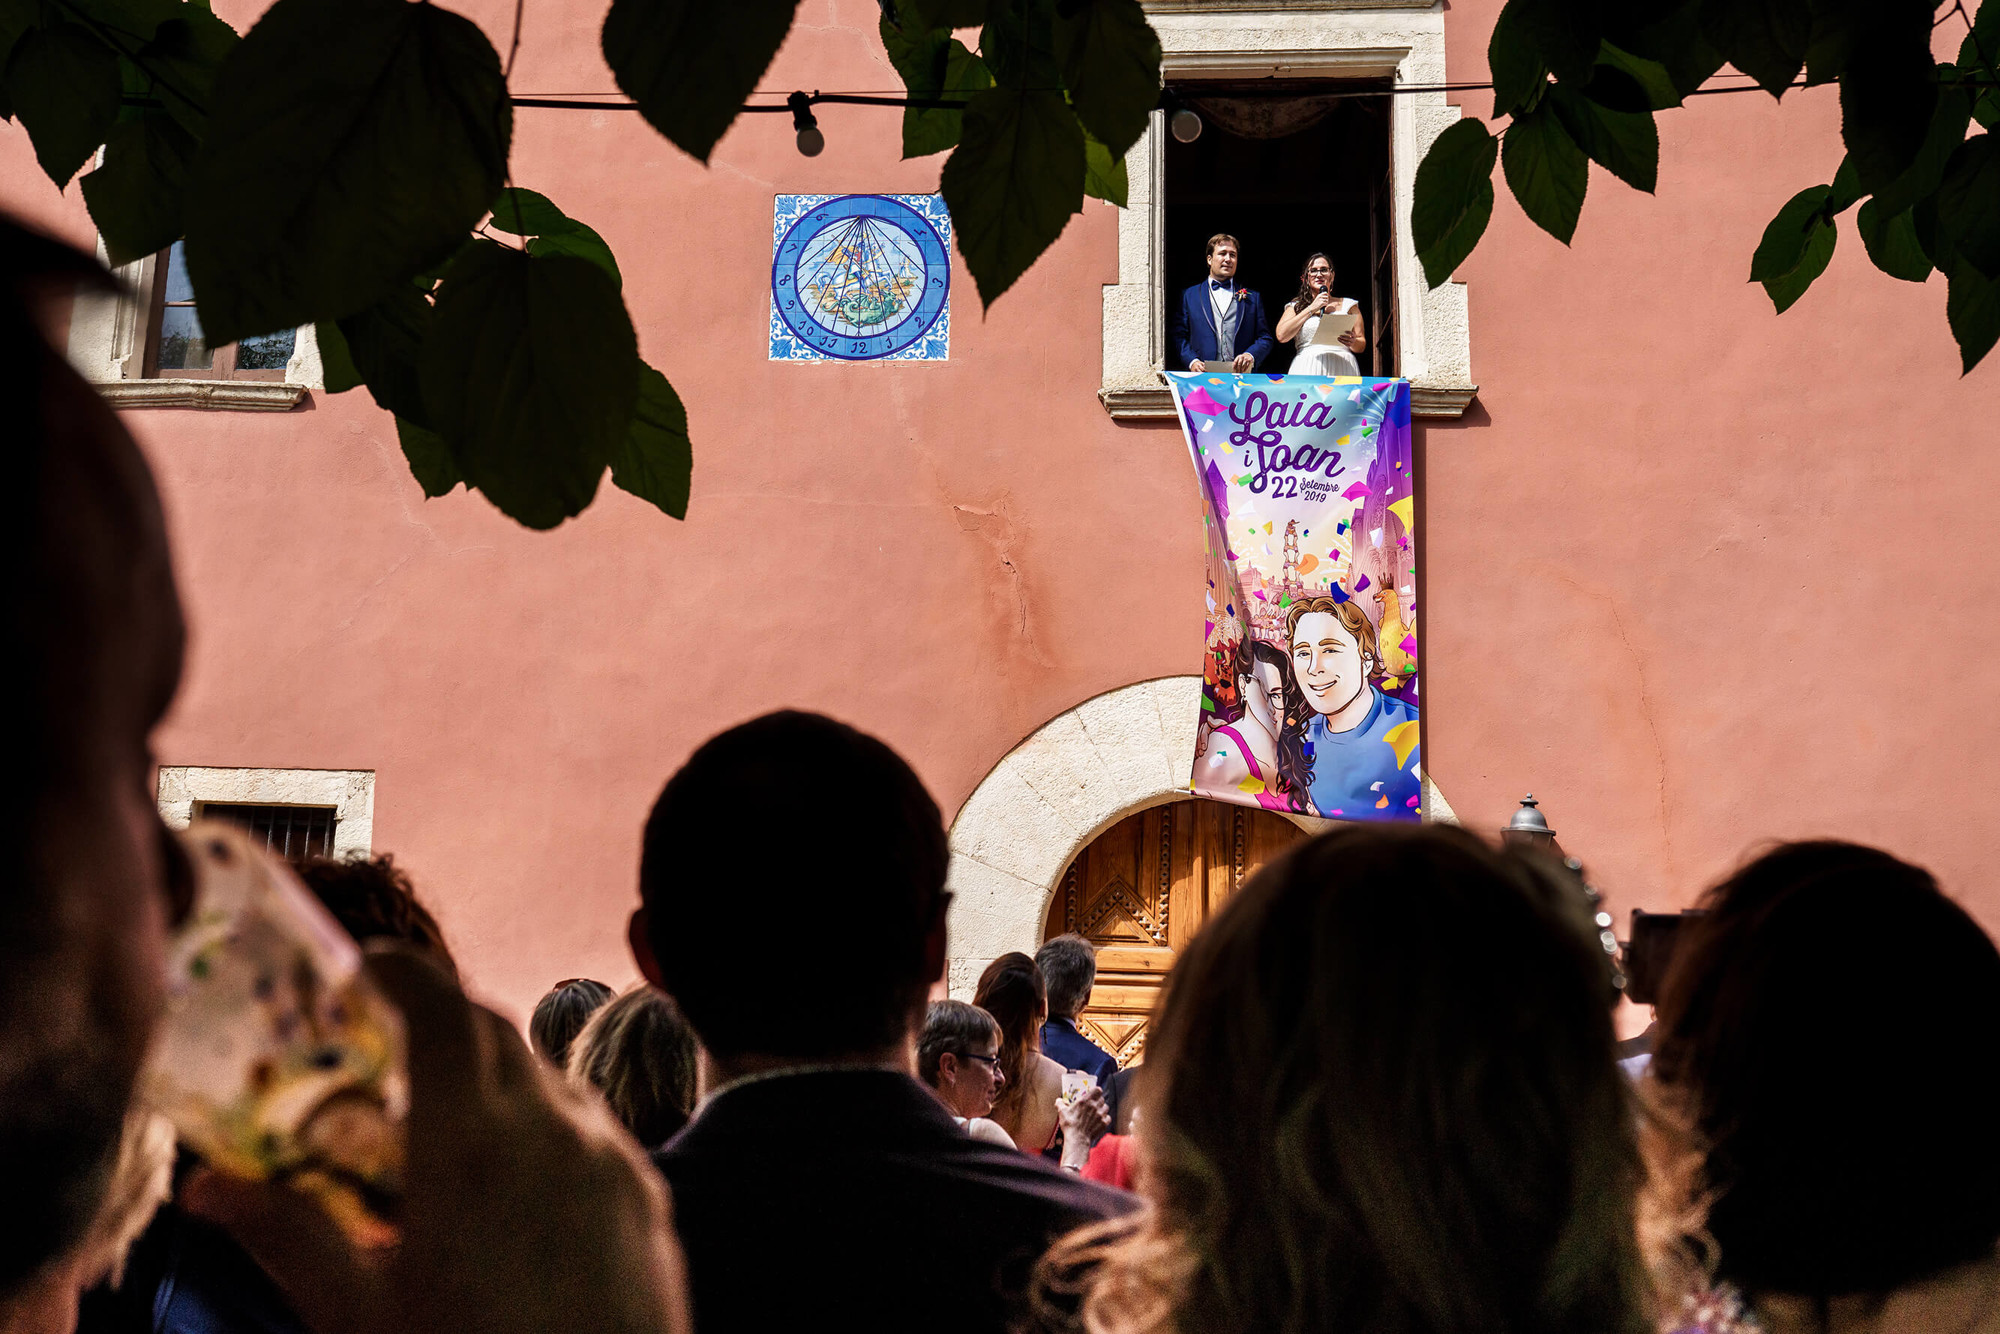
{"type": "Point", "coordinates": [1287, 167]}
{"type": "Point", "coordinates": [293, 832]}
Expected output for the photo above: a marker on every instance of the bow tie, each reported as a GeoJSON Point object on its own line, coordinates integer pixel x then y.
{"type": "Point", "coordinates": [1215, 286]}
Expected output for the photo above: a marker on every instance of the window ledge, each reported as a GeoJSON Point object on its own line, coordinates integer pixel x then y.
{"type": "Point", "coordinates": [1149, 404]}
{"type": "Point", "coordinates": [232, 395]}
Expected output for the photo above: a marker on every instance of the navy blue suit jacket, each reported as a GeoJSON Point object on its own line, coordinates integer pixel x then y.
{"type": "Point", "coordinates": [1192, 334]}
{"type": "Point", "coordinates": [1063, 1044]}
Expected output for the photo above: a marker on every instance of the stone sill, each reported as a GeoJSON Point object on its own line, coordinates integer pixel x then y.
{"type": "Point", "coordinates": [1150, 404]}
{"type": "Point", "coordinates": [1270, 6]}
{"type": "Point", "coordinates": [229, 395]}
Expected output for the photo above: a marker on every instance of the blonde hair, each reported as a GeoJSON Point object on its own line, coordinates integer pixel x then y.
{"type": "Point", "coordinates": [639, 1052]}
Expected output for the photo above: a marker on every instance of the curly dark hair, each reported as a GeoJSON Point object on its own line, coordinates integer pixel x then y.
{"type": "Point", "coordinates": [374, 899]}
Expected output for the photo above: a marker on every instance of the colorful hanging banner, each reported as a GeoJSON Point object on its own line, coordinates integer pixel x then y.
{"type": "Point", "coordinates": [1309, 685]}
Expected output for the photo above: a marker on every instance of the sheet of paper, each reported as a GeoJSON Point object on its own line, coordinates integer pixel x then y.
{"type": "Point", "coordinates": [1331, 327]}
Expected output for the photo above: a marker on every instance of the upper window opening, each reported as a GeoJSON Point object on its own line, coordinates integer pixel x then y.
{"type": "Point", "coordinates": [293, 832]}
{"type": "Point", "coordinates": [177, 348]}
{"type": "Point", "coordinates": [1288, 167]}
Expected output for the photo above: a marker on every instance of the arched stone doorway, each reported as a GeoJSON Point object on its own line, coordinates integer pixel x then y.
{"type": "Point", "coordinates": [1111, 757]}
{"type": "Point", "coordinates": [1141, 889]}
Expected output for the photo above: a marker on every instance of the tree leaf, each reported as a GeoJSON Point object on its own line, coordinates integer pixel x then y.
{"type": "Point", "coordinates": [530, 373]}
{"type": "Point", "coordinates": [65, 88]}
{"type": "Point", "coordinates": [520, 212]}
{"type": "Point", "coordinates": [1785, 240]}
{"type": "Point", "coordinates": [135, 197]}
{"type": "Point", "coordinates": [385, 343]}
{"type": "Point", "coordinates": [920, 55]}
{"type": "Point", "coordinates": [1653, 78]}
{"type": "Point", "coordinates": [1979, 57]}
{"type": "Point", "coordinates": [1624, 143]}
{"type": "Point", "coordinates": [185, 54]}
{"type": "Point", "coordinates": [351, 144]}
{"type": "Point", "coordinates": [1546, 171]}
{"type": "Point", "coordinates": [1766, 39]}
{"type": "Point", "coordinates": [1968, 204]}
{"type": "Point", "coordinates": [928, 130]}
{"type": "Point", "coordinates": [654, 460]}
{"type": "Point", "coordinates": [1888, 91]}
{"type": "Point", "coordinates": [1110, 60]}
{"type": "Point", "coordinates": [1013, 182]}
{"type": "Point", "coordinates": [952, 15]}
{"type": "Point", "coordinates": [1926, 170]}
{"type": "Point", "coordinates": [1103, 175]}
{"type": "Point", "coordinates": [336, 363]}
{"type": "Point", "coordinates": [429, 457]}
{"type": "Point", "coordinates": [1672, 39]}
{"type": "Point", "coordinates": [133, 20]}
{"type": "Point", "coordinates": [1454, 197]}
{"type": "Point", "coordinates": [1892, 243]}
{"type": "Point", "coordinates": [1018, 44]}
{"type": "Point", "coordinates": [1845, 190]}
{"type": "Point", "coordinates": [689, 66]}
{"type": "Point", "coordinates": [1972, 307]}
{"type": "Point", "coordinates": [1796, 248]}
{"type": "Point", "coordinates": [1533, 39]}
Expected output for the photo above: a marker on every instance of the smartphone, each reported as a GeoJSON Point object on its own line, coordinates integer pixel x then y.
{"type": "Point", "coordinates": [278, 1061]}
{"type": "Point", "coordinates": [1649, 952]}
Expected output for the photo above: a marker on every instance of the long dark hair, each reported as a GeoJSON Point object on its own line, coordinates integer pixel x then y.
{"type": "Point", "coordinates": [1381, 1097]}
{"type": "Point", "coordinates": [1013, 992]}
{"type": "Point", "coordinates": [1294, 776]}
{"type": "Point", "coordinates": [1305, 296]}
{"type": "Point", "coordinates": [1822, 1033]}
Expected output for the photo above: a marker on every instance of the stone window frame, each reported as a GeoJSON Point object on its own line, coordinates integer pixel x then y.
{"type": "Point", "coordinates": [1402, 40]}
{"type": "Point", "coordinates": [107, 345]}
{"type": "Point", "coordinates": [351, 793]}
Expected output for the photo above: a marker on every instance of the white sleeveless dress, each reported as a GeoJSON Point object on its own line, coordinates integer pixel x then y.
{"type": "Point", "coordinates": [1328, 358]}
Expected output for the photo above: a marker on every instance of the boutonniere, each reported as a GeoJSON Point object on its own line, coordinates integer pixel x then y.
{"type": "Point", "coordinates": [1242, 294]}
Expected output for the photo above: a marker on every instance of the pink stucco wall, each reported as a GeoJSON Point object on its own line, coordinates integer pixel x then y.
{"type": "Point", "coordinates": [1696, 574]}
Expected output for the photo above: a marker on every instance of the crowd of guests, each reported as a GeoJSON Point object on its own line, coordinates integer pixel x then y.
{"type": "Point", "coordinates": [1380, 1093]}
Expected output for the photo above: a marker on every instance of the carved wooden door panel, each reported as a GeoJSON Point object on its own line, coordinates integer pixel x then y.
{"type": "Point", "coordinates": [1142, 889]}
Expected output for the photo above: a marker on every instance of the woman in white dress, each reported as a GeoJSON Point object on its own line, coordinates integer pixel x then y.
{"type": "Point", "coordinates": [1301, 320]}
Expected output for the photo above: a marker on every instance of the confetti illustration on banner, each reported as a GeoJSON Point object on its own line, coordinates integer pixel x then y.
{"type": "Point", "coordinates": [1310, 675]}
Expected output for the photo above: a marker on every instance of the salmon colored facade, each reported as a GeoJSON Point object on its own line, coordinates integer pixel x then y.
{"type": "Point", "coordinates": [1696, 574]}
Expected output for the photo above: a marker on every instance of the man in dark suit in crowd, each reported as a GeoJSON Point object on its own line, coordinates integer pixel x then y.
{"type": "Point", "coordinates": [1069, 967]}
{"type": "Point", "coordinates": [1219, 326]}
{"type": "Point", "coordinates": [819, 1183]}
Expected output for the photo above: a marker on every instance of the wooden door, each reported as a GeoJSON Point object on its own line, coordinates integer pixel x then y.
{"type": "Point", "coordinates": [1142, 889]}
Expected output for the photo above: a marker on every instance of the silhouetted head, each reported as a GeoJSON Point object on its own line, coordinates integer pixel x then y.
{"type": "Point", "coordinates": [1382, 1096]}
{"type": "Point", "coordinates": [94, 640]}
{"type": "Point", "coordinates": [374, 899]}
{"type": "Point", "coordinates": [1826, 1033]}
{"type": "Point", "coordinates": [847, 893]}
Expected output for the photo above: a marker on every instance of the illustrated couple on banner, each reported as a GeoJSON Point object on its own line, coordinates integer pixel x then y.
{"type": "Point", "coordinates": [1301, 725]}
{"type": "Point", "coordinates": [1220, 326]}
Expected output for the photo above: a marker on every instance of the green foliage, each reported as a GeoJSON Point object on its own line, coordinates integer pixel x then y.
{"type": "Point", "coordinates": [1590, 75]}
{"type": "Point", "coordinates": [1013, 182]}
{"type": "Point", "coordinates": [135, 197]}
{"type": "Point", "coordinates": [1546, 171]}
{"type": "Point", "coordinates": [654, 460]}
{"type": "Point", "coordinates": [1454, 197]}
{"type": "Point", "coordinates": [1110, 61]}
{"type": "Point", "coordinates": [550, 231]}
{"type": "Point", "coordinates": [1796, 247]}
{"type": "Point", "coordinates": [430, 460]}
{"type": "Point", "coordinates": [64, 86]}
{"type": "Point", "coordinates": [1103, 174]}
{"type": "Point", "coordinates": [350, 144]}
{"type": "Point", "coordinates": [530, 374]}
{"type": "Point", "coordinates": [934, 64]}
{"type": "Point", "coordinates": [385, 346]}
{"type": "Point", "coordinates": [688, 65]}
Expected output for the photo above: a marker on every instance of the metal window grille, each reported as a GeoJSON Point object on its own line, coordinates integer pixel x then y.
{"type": "Point", "coordinates": [293, 832]}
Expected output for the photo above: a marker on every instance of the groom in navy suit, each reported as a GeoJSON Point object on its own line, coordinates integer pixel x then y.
{"type": "Point", "coordinates": [1219, 326]}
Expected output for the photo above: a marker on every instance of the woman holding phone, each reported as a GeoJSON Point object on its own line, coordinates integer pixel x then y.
{"type": "Point", "coordinates": [1303, 315]}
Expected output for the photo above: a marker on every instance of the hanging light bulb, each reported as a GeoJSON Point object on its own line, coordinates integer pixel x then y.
{"type": "Point", "coordinates": [1185, 125]}
{"type": "Point", "coordinates": [811, 142]}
